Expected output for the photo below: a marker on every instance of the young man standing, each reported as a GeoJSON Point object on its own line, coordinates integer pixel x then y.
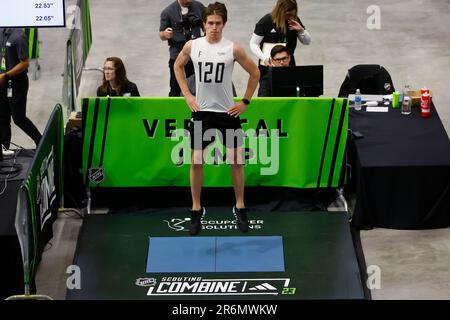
{"type": "Point", "coordinates": [213, 106]}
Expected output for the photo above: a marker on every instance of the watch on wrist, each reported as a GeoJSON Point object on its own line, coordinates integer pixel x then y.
{"type": "Point", "coordinates": [245, 101]}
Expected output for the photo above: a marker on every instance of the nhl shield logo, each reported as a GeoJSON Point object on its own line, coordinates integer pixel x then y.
{"type": "Point", "coordinates": [145, 282]}
{"type": "Point", "coordinates": [97, 174]}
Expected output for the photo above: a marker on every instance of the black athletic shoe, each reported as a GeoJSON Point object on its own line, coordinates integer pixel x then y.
{"type": "Point", "coordinates": [196, 220]}
{"type": "Point", "coordinates": [241, 218]}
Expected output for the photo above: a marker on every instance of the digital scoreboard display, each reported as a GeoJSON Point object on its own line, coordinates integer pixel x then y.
{"type": "Point", "coordinates": [32, 13]}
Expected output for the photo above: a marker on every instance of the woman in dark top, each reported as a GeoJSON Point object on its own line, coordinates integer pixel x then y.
{"type": "Point", "coordinates": [115, 82]}
{"type": "Point", "coordinates": [280, 27]}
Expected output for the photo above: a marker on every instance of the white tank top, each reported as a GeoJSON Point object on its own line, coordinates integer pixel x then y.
{"type": "Point", "coordinates": [213, 64]}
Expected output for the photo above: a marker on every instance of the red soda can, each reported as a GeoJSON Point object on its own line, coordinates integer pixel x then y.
{"type": "Point", "coordinates": [425, 105]}
{"type": "Point", "coordinates": [423, 90]}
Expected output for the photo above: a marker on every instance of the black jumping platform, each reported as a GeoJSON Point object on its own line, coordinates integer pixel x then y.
{"type": "Point", "coordinates": [309, 255]}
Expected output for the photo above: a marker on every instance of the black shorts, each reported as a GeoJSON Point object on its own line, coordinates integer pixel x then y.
{"type": "Point", "coordinates": [213, 124]}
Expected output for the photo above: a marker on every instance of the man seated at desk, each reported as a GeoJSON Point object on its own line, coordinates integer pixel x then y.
{"type": "Point", "coordinates": [280, 55]}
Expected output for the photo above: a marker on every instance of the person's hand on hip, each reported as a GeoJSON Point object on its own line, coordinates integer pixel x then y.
{"type": "Point", "coordinates": [192, 102]}
{"type": "Point", "coordinates": [238, 109]}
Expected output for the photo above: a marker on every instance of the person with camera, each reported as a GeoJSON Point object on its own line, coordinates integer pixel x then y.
{"type": "Point", "coordinates": [180, 22]}
{"type": "Point", "coordinates": [281, 26]}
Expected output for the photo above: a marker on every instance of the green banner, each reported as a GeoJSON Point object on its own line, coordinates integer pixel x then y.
{"type": "Point", "coordinates": [77, 49]}
{"type": "Point", "coordinates": [87, 30]}
{"type": "Point", "coordinates": [25, 233]}
{"type": "Point", "coordinates": [69, 89]}
{"type": "Point", "coordinates": [127, 143]}
{"type": "Point", "coordinates": [40, 194]}
{"type": "Point", "coordinates": [33, 42]}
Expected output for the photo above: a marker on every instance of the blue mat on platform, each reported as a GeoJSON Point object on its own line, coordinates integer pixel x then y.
{"type": "Point", "coordinates": [215, 254]}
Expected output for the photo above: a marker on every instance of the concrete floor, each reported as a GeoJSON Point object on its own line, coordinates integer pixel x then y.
{"type": "Point", "coordinates": [413, 44]}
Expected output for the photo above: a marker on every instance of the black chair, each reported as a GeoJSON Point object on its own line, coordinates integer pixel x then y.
{"type": "Point", "coordinates": [369, 79]}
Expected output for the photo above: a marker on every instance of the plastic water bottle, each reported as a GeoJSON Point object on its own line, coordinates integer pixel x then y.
{"type": "Point", "coordinates": [358, 100]}
{"type": "Point", "coordinates": [402, 94]}
{"type": "Point", "coordinates": [406, 105]}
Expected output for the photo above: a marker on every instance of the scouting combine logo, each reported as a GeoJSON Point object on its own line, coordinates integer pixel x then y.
{"type": "Point", "coordinates": [198, 286]}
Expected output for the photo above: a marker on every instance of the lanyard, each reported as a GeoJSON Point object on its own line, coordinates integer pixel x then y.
{"type": "Point", "coordinates": [3, 59]}
{"type": "Point", "coordinates": [6, 34]}
{"type": "Point", "coordinates": [5, 37]}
